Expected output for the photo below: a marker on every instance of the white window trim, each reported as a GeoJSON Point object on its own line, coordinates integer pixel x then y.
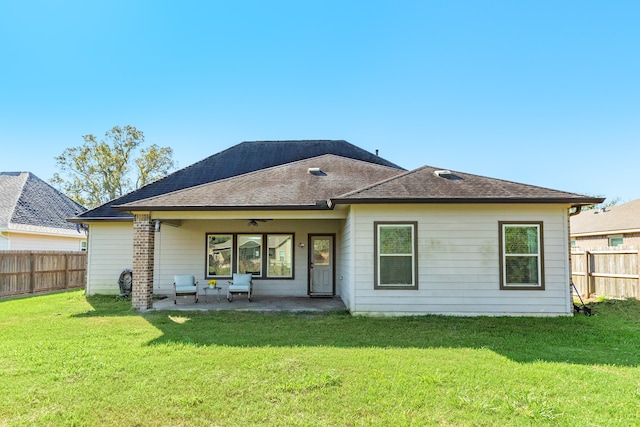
{"type": "Point", "coordinates": [615, 236]}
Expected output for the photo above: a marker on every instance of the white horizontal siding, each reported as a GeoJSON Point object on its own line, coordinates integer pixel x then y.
{"type": "Point", "coordinates": [110, 251]}
{"type": "Point", "coordinates": [181, 250]}
{"type": "Point", "coordinates": [34, 242]}
{"type": "Point", "coordinates": [458, 261]}
{"type": "Point", "coordinates": [344, 286]}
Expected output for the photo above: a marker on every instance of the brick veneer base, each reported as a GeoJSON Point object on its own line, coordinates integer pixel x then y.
{"type": "Point", "coordinates": [143, 247]}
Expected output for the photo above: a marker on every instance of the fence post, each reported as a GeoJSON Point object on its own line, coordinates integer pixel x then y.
{"type": "Point", "coordinates": [2, 280]}
{"type": "Point", "coordinates": [588, 277]}
{"type": "Point", "coordinates": [66, 271]}
{"type": "Point", "coordinates": [32, 276]}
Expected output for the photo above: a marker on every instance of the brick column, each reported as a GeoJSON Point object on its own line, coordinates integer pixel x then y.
{"type": "Point", "coordinates": [143, 248]}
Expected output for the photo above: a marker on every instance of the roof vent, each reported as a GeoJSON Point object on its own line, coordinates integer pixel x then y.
{"type": "Point", "coordinates": [314, 171]}
{"type": "Point", "coordinates": [444, 174]}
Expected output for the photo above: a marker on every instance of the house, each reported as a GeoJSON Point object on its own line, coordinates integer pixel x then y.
{"type": "Point", "coordinates": [326, 218]}
{"type": "Point", "coordinates": [607, 227]}
{"type": "Point", "coordinates": [33, 216]}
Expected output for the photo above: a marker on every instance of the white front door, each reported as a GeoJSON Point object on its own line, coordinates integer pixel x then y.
{"type": "Point", "coordinates": [321, 269]}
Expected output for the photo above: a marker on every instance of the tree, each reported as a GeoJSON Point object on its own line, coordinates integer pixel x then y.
{"type": "Point", "coordinates": [613, 202]}
{"type": "Point", "coordinates": [100, 171]}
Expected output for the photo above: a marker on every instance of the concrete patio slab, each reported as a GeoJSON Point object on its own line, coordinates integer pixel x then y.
{"type": "Point", "coordinates": [259, 304]}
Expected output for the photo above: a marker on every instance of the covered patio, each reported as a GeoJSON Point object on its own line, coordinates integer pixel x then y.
{"type": "Point", "coordinates": [259, 304]}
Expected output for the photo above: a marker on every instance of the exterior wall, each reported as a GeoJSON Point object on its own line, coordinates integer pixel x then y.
{"type": "Point", "coordinates": [344, 273]}
{"type": "Point", "coordinates": [35, 242]}
{"type": "Point", "coordinates": [458, 261]}
{"type": "Point", "coordinates": [182, 250]}
{"type": "Point", "coordinates": [629, 241]}
{"type": "Point", "coordinates": [110, 250]}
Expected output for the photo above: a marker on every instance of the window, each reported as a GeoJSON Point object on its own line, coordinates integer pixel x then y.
{"type": "Point", "coordinates": [281, 244]}
{"type": "Point", "coordinates": [521, 255]}
{"type": "Point", "coordinates": [395, 248]}
{"type": "Point", "coordinates": [219, 259]}
{"type": "Point", "coordinates": [244, 253]}
{"type": "Point", "coordinates": [615, 240]}
{"type": "Point", "coordinates": [83, 246]}
{"type": "Point", "coordinates": [250, 254]}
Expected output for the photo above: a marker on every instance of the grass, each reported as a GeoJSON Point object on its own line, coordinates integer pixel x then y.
{"type": "Point", "coordinates": [66, 359]}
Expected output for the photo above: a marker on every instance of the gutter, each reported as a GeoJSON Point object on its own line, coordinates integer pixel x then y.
{"type": "Point", "coordinates": [76, 220]}
{"type": "Point", "coordinates": [453, 200]}
{"type": "Point", "coordinates": [319, 205]}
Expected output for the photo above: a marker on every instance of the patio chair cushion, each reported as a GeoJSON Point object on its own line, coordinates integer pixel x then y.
{"type": "Point", "coordinates": [185, 283]}
{"type": "Point", "coordinates": [240, 283]}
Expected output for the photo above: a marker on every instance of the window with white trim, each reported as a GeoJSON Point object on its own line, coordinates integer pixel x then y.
{"type": "Point", "coordinates": [616, 240]}
{"type": "Point", "coordinates": [395, 248]}
{"type": "Point", "coordinates": [521, 255]}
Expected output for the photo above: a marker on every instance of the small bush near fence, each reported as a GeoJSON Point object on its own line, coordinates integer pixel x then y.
{"type": "Point", "coordinates": [31, 272]}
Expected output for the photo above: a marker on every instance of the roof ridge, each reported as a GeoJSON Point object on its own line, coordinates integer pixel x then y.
{"type": "Point", "coordinates": [12, 203]}
{"type": "Point", "coordinates": [251, 173]}
{"type": "Point", "coordinates": [296, 140]}
{"type": "Point", "coordinates": [35, 202]}
{"type": "Point", "coordinates": [506, 181]}
{"type": "Point", "coordinates": [379, 183]}
{"type": "Point", "coordinates": [520, 183]}
{"type": "Point", "coordinates": [228, 163]}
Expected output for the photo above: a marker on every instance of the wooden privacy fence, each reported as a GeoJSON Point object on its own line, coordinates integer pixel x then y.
{"type": "Point", "coordinates": [606, 273]}
{"type": "Point", "coordinates": [31, 272]}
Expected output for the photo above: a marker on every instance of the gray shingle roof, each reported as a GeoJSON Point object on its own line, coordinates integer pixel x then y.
{"type": "Point", "coordinates": [237, 160]}
{"type": "Point", "coordinates": [614, 219]}
{"type": "Point", "coordinates": [289, 186]}
{"type": "Point", "coordinates": [425, 186]}
{"type": "Point", "coordinates": [26, 199]}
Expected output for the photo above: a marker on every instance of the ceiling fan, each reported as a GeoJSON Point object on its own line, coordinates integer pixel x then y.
{"type": "Point", "coordinates": [254, 222]}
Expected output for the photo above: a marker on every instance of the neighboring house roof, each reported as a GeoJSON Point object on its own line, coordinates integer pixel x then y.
{"type": "Point", "coordinates": [432, 185]}
{"type": "Point", "coordinates": [303, 184]}
{"type": "Point", "coordinates": [237, 160]}
{"type": "Point", "coordinates": [29, 204]}
{"type": "Point", "coordinates": [623, 218]}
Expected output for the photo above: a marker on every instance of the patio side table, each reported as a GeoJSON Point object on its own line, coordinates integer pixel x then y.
{"type": "Point", "coordinates": [211, 288]}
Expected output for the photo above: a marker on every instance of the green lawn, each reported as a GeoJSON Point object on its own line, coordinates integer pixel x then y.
{"type": "Point", "coordinates": [70, 360]}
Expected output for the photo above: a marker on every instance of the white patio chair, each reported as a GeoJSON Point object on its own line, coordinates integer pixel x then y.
{"type": "Point", "coordinates": [241, 283]}
{"type": "Point", "coordinates": [184, 284]}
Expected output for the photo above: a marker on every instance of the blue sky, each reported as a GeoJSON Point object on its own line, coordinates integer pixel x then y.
{"type": "Point", "coordinates": [539, 92]}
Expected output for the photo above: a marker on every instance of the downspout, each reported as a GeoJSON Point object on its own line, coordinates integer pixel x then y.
{"type": "Point", "coordinates": [578, 209]}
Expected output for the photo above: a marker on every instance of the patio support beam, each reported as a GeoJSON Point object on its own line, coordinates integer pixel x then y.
{"type": "Point", "coordinates": [143, 247]}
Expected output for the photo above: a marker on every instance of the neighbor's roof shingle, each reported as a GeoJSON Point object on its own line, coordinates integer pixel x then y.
{"type": "Point", "coordinates": [285, 186]}
{"type": "Point", "coordinates": [614, 219]}
{"type": "Point", "coordinates": [424, 186]}
{"type": "Point", "coordinates": [237, 160]}
{"type": "Point", "coordinates": [27, 200]}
